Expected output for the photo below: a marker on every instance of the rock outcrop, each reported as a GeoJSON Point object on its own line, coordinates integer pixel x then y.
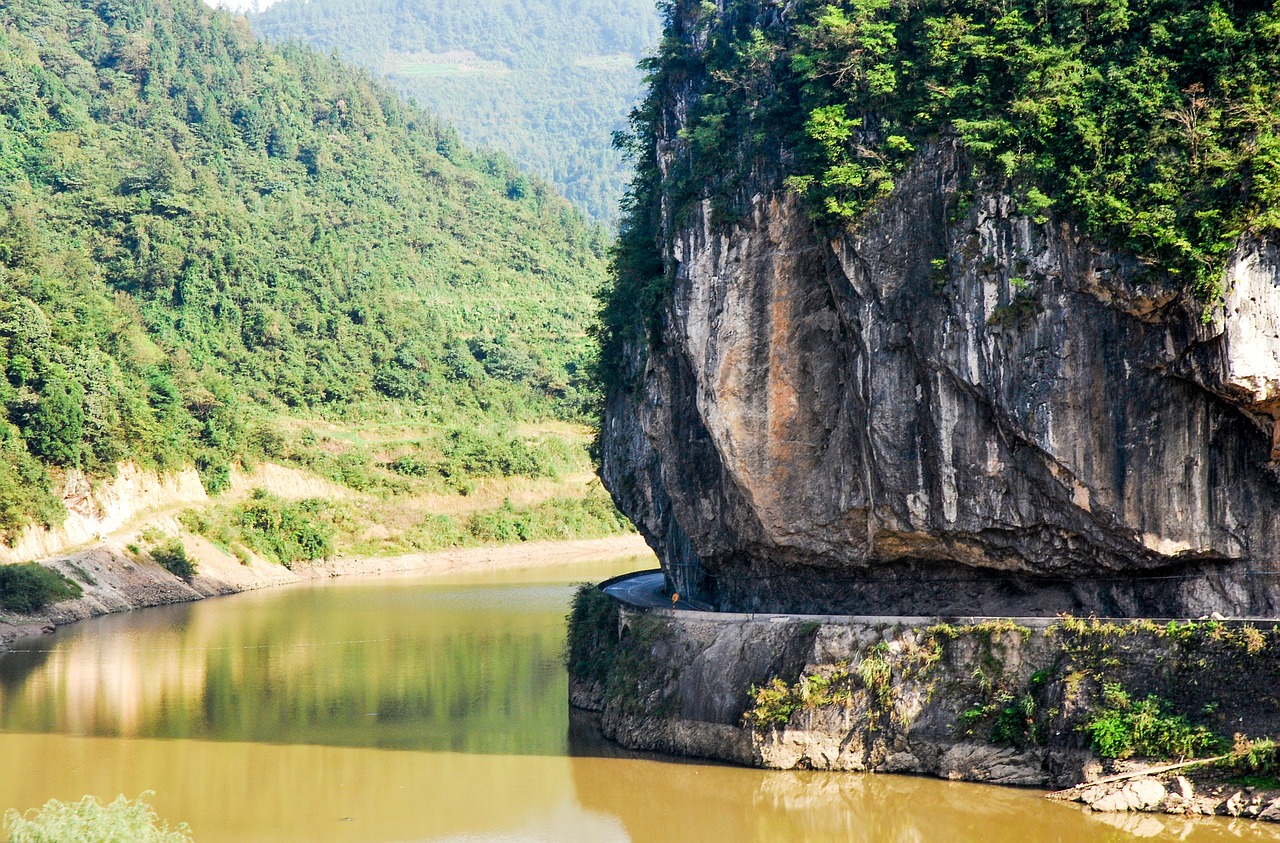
{"type": "Point", "coordinates": [953, 409]}
{"type": "Point", "coordinates": [990, 701]}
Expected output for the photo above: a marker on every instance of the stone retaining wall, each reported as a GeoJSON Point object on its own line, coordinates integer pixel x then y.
{"type": "Point", "coordinates": [925, 697]}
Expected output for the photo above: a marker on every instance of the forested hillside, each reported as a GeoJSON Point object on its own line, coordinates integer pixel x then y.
{"type": "Point", "coordinates": [201, 234]}
{"type": "Point", "coordinates": [546, 81]}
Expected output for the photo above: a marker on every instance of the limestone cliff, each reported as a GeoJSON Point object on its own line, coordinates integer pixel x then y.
{"type": "Point", "coordinates": [949, 408]}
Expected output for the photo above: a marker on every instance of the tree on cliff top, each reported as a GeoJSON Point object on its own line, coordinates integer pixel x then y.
{"type": "Point", "coordinates": [1153, 124]}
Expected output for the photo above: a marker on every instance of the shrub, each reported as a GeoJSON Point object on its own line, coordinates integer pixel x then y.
{"type": "Point", "coordinates": [774, 704]}
{"type": "Point", "coordinates": [1014, 720]}
{"type": "Point", "coordinates": [1122, 727]}
{"type": "Point", "coordinates": [89, 821]}
{"type": "Point", "coordinates": [30, 587]}
{"type": "Point", "coordinates": [172, 556]}
{"type": "Point", "coordinates": [284, 531]}
{"type": "Point", "coordinates": [1252, 757]}
{"type": "Point", "coordinates": [593, 632]}
{"type": "Point", "coordinates": [480, 453]}
{"type": "Point", "coordinates": [411, 466]}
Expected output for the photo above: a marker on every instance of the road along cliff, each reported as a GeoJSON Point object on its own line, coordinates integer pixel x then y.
{"type": "Point", "coordinates": [955, 405]}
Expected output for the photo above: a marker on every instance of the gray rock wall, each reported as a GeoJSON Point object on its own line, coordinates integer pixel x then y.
{"type": "Point", "coordinates": [954, 410]}
{"type": "Point", "coordinates": [924, 698]}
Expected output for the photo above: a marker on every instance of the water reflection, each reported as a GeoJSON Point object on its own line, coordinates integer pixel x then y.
{"type": "Point", "coordinates": [374, 665]}
{"type": "Point", "coordinates": [269, 717]}
{"type": "Point", "coordinates": [660, 801]}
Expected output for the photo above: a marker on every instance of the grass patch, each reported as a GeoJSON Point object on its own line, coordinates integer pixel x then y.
{"type": "Point", "coordinates": [776, 701]}
{"type": "Point", "coordinates": [447, 460]}
{"type": "Point", "coordinates": [591, 516]}
{"type": "Point", "coordinates": [294, 531]}
{"type": "Point", "coordinates": [30, 587]}
{"type": "Point", "coordinates": [89, 821]}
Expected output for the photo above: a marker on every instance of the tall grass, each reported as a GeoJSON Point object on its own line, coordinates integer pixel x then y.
{"type": "Point", "coordinates": [89, 821]}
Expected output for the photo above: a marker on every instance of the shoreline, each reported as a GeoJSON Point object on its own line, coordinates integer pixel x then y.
{"type": "Point", "coordinates": [115, 581]}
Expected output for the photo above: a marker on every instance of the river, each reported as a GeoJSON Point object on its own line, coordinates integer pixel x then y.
{"type": "Point", "coordinates": [430, 709]}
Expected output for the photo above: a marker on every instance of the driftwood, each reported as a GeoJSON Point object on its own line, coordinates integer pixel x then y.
{"type": "Point", "coordinates": [1119, 777]}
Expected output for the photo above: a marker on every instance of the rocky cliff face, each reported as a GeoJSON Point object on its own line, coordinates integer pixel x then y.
{"type": "Point", "coordinates": [952, 409]}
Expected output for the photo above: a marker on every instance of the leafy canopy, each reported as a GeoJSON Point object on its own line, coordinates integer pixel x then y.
{"type": "Point", "coordinates": [546, 81]}
{"type": "Point", "coordinates": [1154, 124]}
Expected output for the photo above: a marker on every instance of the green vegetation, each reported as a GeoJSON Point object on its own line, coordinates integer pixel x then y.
{"type": "Point", "coordinates": [547, 81]}
{"type": "Point", "coordinates": [631, 664]}
{"type": "Point", "coordinates": [988, 631]}
{"type": "Point", "coordinates": [1016, 719]}
{"type": "Point", "coordinates": [172, 556]}
{"type": "Point", "coordinates": [1153, 124]}
{"type": "Point", "coordinates": [203, 237]}
{"type": "Point", "coordinates": [591, 644]}
{"type": "Point", "coordinates": [1253, 763]}
{"type": "Point", "coordinates": [775, 702]}
{"type": "Point", "coordinates": [283, 531]}
{"type": "Point", "coordinates": [1080, 689]}
{"type": "Point", "coordinates": [1081, 634]}
{"type": "Point", "coordinates": [89, 821]}
{"type": "Point", "coordinates": [315, 528]}
{"type": "Point", "coordinates": [590, 517]}
{"type": "Point", "coordinates": [876, 673]}
{"type": "Point", "coordinates": [1121, 726]}
{"type": "Point", "coordinates": [30, 587]}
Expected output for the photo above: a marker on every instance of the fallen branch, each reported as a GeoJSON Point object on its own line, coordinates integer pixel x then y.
{"type": "Point", "coordinates": [1119, 777]}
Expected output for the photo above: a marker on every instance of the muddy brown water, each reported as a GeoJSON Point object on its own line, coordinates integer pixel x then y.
{"type": "Point", "coordinates": [431, 709]}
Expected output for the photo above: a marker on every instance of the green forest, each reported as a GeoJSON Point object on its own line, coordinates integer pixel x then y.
{"type": "Point", "coordinates": [548, 81]}
{"type": "Point", "coordinates": [205, 238]}
{"type": "Point", "coordinates": [1152, 124]}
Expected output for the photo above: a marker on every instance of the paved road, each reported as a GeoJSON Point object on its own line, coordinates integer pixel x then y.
{"type": "Point", "coordinates": [644, 590]}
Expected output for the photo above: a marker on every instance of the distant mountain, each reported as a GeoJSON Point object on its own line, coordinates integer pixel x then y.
{"type": "Point", "coordinates": [547, 81]}
{"type": "Point", "coordinates": [199, 230]}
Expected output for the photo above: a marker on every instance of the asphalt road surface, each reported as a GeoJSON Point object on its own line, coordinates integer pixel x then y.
{"type": "Point", "coordinates": [643, 590]}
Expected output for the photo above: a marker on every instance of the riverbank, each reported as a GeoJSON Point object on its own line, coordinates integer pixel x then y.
{"type": "Point", "coordinates": [991, 701]}
{"type": "Point", "coordinates": [115, 579]}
